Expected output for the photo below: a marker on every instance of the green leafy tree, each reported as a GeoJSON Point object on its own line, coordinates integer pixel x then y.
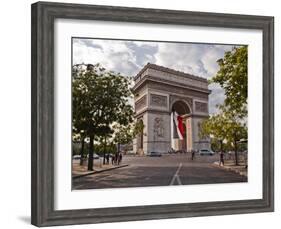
{"type": "Point", "coordinates": [79, 121]}
{"type": "Point", "coordinates": [138, 127]}
{"type": "Point", "coordinates": [229, 126]}
{"type": "Point", "coordinates": [109, 148]}
{"type": "Point", "coordinates": [79, 136]}
{"type": "Point", "coordinates": [126, 134]}
{"type": "Point", "coordinates": [214, 128]}
{"type": "Point", "coordinates": [123, 135]}
{"type": "Point", "coordinates": [100, 98]}
{"type": "Point", "coordinates": [233, 78]}
{"type": "Point", "coordinates": [225, 129]}
{"type": "Point", "coordinates": [236, 130]}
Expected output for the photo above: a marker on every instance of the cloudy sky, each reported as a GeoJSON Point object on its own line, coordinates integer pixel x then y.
{"type": "Point", "coordinates": [129, 57]}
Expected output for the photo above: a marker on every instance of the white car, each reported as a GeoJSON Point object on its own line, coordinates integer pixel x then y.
{"type": "Point", "coordinates": [76, 157]}
{"type": "Point", "coordinates": [206, 152]}
{"type": "Point", "coordinates": [95, 156]}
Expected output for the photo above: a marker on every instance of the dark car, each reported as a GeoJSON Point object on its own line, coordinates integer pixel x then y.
{"type": "Point", "coordinates": [154, 154]}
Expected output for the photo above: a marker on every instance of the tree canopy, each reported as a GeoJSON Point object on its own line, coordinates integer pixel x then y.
{"type": "Point", "coordinates": [233, 78]}
{"type": "Point", "coordinates": [125, 134]}
{"type": "Point", "coordinates": [229, 124]}
{"type": "Point", "coordinates": [100, 98]}
{"type": "Point", "coordinates": [225, 129]}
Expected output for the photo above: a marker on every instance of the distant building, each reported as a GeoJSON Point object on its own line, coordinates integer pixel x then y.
{"type": "Point", "coordinates": [158, 91]}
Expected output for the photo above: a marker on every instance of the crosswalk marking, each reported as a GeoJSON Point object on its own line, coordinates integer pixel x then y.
{"type": "Point", "coordinates": [176, 177]}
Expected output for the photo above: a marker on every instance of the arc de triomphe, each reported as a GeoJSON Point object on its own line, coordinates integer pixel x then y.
{"type": "Point", "coordinates": [157, 91]}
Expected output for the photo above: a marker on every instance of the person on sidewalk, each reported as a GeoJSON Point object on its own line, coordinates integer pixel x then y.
{"type": "Point", "coordinates": [192, 154]}
{"type": "Point", "coordinates": [112, 159]}
{"type": "Point", "coordinates": [119, 158]}
{"type": "Point", "coordinates": [107, 158]}
{"type": "Point", "coordinates": [116, 158]}
{"type": "Point", "coordinates": [221, 159]}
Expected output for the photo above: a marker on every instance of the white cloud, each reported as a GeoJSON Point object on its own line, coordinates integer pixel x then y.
{"type": "Point", "coordinates": [196, 59]}
{"type": "Point", "coordinates": [128, 57]}
{"type": "Point", "coordinates": [113, 55]}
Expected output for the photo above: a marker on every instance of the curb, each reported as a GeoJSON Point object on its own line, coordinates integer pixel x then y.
{"type": "Point", "coordinates": [100, 171]}
{"type": "Point", "coordinates": [230, 169]}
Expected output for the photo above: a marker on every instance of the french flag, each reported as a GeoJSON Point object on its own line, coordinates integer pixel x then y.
{"type": "Point", "coordinates": [177, 126]}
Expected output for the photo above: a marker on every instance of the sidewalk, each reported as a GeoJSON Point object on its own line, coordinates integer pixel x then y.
{"type": "Point", "coordinates": [230, 166]}
{"type": "Point", "coordinates": [80, 171]}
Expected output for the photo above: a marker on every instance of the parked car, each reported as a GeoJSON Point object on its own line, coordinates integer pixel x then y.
{"type": "Point", "coordinates": [95, 156]}
{"type": "Point", "coordinates": [154, 154]}
{"type": "Point", "coordinates": [206, 152]}
{"type": "Point", "coordinates": [76, 157]}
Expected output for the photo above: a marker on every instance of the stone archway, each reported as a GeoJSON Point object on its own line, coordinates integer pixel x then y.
{"type": "Point", "coordinates": [183, 109]}
{"type": "Point", "coordinates": [157, 89]}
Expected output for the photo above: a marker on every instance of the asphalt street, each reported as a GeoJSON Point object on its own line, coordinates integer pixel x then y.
{"type": "Point", "coordinates": [160, 171]}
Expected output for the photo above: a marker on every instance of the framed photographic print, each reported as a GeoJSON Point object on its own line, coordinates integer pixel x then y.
{"type": "Point", "coordinates": [144, 114]}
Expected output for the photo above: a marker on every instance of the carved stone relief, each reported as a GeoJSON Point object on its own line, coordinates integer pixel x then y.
{"type": "Point", "coordinates": [201, 107]}
{"type": "Point", "coordinates": [158, 127]}
{"type": "Point", "coordinates": [158, 100]}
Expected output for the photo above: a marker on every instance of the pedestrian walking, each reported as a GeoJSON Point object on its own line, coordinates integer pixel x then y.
{"type": "Point", "coordinates": [107, 158]}
{"type": "Point", "coordinates": [221, 158]}
{"type": "Point", "coordinates": [116, 158]}
{"type": "Point", "coordinates": [119, 158]}
{"type": "Point", "coordinates": [112, 159]}
{"type": "Point", "coordinates": [192, 154]}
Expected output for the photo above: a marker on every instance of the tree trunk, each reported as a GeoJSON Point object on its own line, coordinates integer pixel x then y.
{"type": "Point", "coordinates": [221, 146]}
{"type": "Point", "coordinates": [118, 147]}
{"type": "Point", "coordinates": [104, 149]}
{"type": "Point", "coordinates": [82, 151]}
{"type": "Point", "coordinates": [236, 154]}
{"type": "Point", "coordinates": [221, 153]}
{"type": "Point", "coordinates": [91, 154]}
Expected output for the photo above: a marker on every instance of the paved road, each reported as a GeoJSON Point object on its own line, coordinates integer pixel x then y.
{"type": "Point", "coordinates": [160, 171]}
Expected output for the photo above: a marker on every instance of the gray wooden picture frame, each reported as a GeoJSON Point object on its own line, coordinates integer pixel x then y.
{"type": "Point", "coordinates": [42, 185]}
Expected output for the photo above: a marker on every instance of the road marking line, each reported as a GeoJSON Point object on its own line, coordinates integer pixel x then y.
{"type": "Point", "coordinates": [176, 176]}
{"type": "Point", "coordinates": [178, 180]}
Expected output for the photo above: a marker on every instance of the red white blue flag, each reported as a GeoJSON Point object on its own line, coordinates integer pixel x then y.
{"type": "Point", "coordinates": [177, 126]}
